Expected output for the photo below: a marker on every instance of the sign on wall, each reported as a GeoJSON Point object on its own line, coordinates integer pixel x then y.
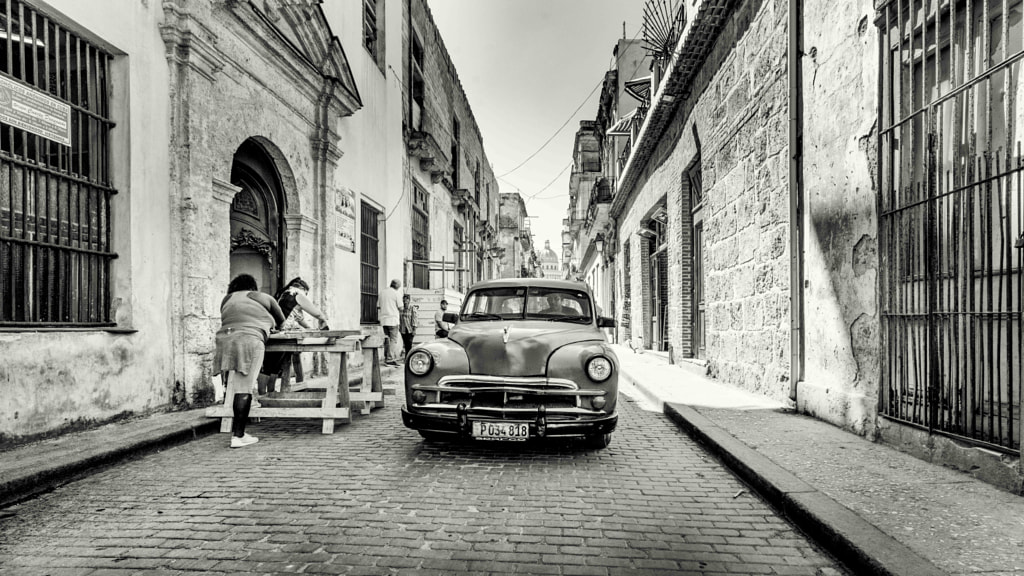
{"type": "Point", "coordinates": [345, 214]}
{"type": "Point", "coordinates": [34, 111]}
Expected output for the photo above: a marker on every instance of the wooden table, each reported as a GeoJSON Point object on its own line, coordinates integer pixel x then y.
{"type": "Point", "coordinates": [338, 398]}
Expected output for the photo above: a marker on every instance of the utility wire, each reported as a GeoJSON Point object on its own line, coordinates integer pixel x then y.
{"type": "Point", "coordinates": [573, 115]}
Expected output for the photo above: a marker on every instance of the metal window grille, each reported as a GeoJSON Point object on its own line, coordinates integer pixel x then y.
{"type": "Point", "coordinates": [55, 248]}
{"type": "Point", "coordinates": [951, 216]}
{"type": "Point", "coordinates": [369, 263]}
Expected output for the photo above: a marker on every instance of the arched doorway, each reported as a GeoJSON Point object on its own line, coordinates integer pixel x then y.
{"type": "Point", "coordinates": [257, 237]}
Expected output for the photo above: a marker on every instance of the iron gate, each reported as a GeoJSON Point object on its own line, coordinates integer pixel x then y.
{"type": "Point", "coordinates": [950, 217]}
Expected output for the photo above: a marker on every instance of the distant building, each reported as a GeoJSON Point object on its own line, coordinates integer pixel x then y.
{"type": "Point", "coordinates": [549, 262]}
{"type": "Point", "coordinates": [516, 258]}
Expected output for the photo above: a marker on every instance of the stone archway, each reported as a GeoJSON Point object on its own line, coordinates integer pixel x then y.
{"type": "Point", "coordinates": [256, 218]}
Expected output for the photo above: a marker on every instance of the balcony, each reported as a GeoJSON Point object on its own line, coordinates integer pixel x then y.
{"type": "Point", "coordinates": [423, 146]}
{"type": "Point", "coordinates": [462, 200]}
{"type": "Point", "coordinates": [690, 38]}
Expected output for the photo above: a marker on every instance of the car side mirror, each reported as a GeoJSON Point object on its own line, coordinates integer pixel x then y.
{"type": "Point", "coordinates": [450, 317]}
{"type": "Point", "coordinates": [605, 322]}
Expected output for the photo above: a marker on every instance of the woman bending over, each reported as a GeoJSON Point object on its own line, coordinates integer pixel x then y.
{"type": "Point", "coordinates": [246, 318]}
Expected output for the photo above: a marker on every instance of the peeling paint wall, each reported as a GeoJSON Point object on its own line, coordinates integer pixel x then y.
{"type": "Point", "coordinates": [840, 78]}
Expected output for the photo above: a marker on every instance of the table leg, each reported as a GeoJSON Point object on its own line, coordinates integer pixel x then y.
{"type": "Point", "coordinates": [371, 376]}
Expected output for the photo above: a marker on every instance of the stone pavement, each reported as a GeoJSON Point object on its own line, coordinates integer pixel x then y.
{"type": "Point", "coordinates": [374, 498]}
{"type": "Point", "coordinates": [877, 509]}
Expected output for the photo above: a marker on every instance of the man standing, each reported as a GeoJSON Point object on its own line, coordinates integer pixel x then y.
{"type": "Point", "coordinates": [407, 326]}
{"type": "Point", "coordinates": [440, 326]}
{"type": "Point", "coordinates": [388, 303]}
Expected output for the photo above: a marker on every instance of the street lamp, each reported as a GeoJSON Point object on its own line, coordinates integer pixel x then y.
{"type": "Point", "coordinates": [599, 242]}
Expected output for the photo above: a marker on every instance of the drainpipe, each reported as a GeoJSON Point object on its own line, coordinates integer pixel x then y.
{"type": "Point", "coordinates": [796, 209]}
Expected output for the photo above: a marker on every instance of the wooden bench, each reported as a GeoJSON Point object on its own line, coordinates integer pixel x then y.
{"type": "Point", "coordinates": [338, 397]}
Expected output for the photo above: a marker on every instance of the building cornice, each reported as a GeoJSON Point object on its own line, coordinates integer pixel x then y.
{"type": "Point", "coordinates": [694, 44]}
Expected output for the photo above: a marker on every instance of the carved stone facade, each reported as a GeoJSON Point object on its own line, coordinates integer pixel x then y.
{"type": "Point", "coordinates": [194, 85]}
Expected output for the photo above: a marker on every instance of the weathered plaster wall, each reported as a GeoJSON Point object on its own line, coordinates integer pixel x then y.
{"type": "Point", "coordinates": [444, 100]}
{"type": "Point", "coordinates": [53, 380]}
{"type": "Point", "coordinates": [840, 78]}
{"type": "Point", "coordinates": [740, 109]}
{"type": "Point", "coordinates": [245, 89]}
{"type": "Point", "coordinates": [373, 152]}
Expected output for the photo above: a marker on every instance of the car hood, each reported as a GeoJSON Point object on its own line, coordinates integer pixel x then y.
{"type": "Point", "coordinates": [527, 348]}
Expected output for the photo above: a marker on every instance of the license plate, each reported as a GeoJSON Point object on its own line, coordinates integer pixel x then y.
{"type": "Point", "coordinates": [501, 430]}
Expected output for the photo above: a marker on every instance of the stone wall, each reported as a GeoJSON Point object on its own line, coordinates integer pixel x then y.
{"type": "Point", "coordinates": [840, 80]}
{"type": "Point", "coordinates": [736, 119]}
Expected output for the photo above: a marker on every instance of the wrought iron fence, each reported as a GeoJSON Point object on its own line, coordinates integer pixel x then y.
{"type": "Point", "coordinates": [951, 215]}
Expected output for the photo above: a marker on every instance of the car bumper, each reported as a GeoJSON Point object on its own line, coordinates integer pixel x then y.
{"type": "Point", "coordinates": [540, 427]}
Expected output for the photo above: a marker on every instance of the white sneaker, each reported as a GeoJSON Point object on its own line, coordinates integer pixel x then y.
{"type": "Point", "coordinates": [245, 440]}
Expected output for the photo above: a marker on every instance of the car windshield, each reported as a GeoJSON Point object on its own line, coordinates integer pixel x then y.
{"type": "Point", "coordinates": [528, 303]}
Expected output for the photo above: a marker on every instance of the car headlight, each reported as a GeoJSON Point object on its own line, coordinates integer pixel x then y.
{"type": "Point", "coordinates": [599, 368]}
{"type": "Point", "coordinates": [419, 362]}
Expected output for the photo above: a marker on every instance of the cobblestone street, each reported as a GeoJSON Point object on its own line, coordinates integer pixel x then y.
{"type": "Point", "coordinates": [374, 498]}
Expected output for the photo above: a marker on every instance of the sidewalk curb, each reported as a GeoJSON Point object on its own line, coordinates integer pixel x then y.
{"type": "Point", "coordinates": [855, 542]}
{"type": "Point", "coordinates": [33, 481]}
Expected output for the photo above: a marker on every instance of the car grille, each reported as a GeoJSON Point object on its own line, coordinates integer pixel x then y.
{"type": "Point", "coordinates": [509, 397]}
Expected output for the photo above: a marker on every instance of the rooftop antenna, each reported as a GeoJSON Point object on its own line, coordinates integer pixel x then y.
{"type": "Point", "coordinates": [623, 29]}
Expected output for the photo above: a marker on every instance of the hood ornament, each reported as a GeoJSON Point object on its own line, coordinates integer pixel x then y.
{"type": "Point", "coordinates": [504, 336]}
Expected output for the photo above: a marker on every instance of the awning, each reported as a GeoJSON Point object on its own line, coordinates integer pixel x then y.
{"type": "Point", "coordinates": [624, 126]}
{"type": "Point", "coordinates": [639, 88]}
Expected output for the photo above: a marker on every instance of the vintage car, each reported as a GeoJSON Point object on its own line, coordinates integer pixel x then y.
{"type": "Point", "coordinates": [524, 359]}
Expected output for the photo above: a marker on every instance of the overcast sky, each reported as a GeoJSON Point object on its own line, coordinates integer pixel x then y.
{"type": "Point", "coordinates": [526, 66]}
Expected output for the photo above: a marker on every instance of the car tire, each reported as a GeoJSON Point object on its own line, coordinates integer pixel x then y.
{"type": "Point", "coordinates": [434, 436]}
{"type": "Point", "coordinates": [599, 441]}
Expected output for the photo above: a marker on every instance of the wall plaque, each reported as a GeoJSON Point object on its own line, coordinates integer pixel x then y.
{"type": "Point", "coordinates": [34, 111]}
{"type": "Point", "coordinates": [345, 216]}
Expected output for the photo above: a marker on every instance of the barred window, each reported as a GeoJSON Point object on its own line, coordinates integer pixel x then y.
{"type": "Point", "coordinates": [369, 263]}
{"type": "Point", "coordinates": [951, 214]}
{"type": "Point", "coordinates": [55, 187]}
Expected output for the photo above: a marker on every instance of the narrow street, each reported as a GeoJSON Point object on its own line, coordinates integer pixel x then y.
{"type": "Point", "coordinates": [374, 498]}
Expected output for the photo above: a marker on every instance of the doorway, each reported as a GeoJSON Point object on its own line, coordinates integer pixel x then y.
{"type": "Point", "coordinates": [696, 187]}
{"type": "Point", "coordinates": [257, 244]}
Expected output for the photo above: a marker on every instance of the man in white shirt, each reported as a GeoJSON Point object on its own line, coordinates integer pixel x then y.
{"type": "Point", "coordinates": [388, 303]}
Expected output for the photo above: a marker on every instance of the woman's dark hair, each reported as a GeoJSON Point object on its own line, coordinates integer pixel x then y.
{"type": "Point", "coordinates": [243, 282]}
{"type": "Point", "coordinates": [296, 282]}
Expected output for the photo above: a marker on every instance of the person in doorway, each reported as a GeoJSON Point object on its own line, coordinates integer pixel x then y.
{"type": "Point", "coordinates": [295, 304]}
{"type": "Point", "coordinates": [407, 324]}
{"type": "Point", "coordinates": [246, 318]}
{"type": "Point", "coordinates": [388, 304]}
{"type": "Point", "coordinates": [441, 327]}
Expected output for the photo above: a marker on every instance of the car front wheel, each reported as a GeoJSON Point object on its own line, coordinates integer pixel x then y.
{"type": "Point", "coordinates": [599, 441]}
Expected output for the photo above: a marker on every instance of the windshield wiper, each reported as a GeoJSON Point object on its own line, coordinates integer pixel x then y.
{"type": "Point", "coordinates": [483, 315]}
{"type": "Point", "coordinates": [567, 318]}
